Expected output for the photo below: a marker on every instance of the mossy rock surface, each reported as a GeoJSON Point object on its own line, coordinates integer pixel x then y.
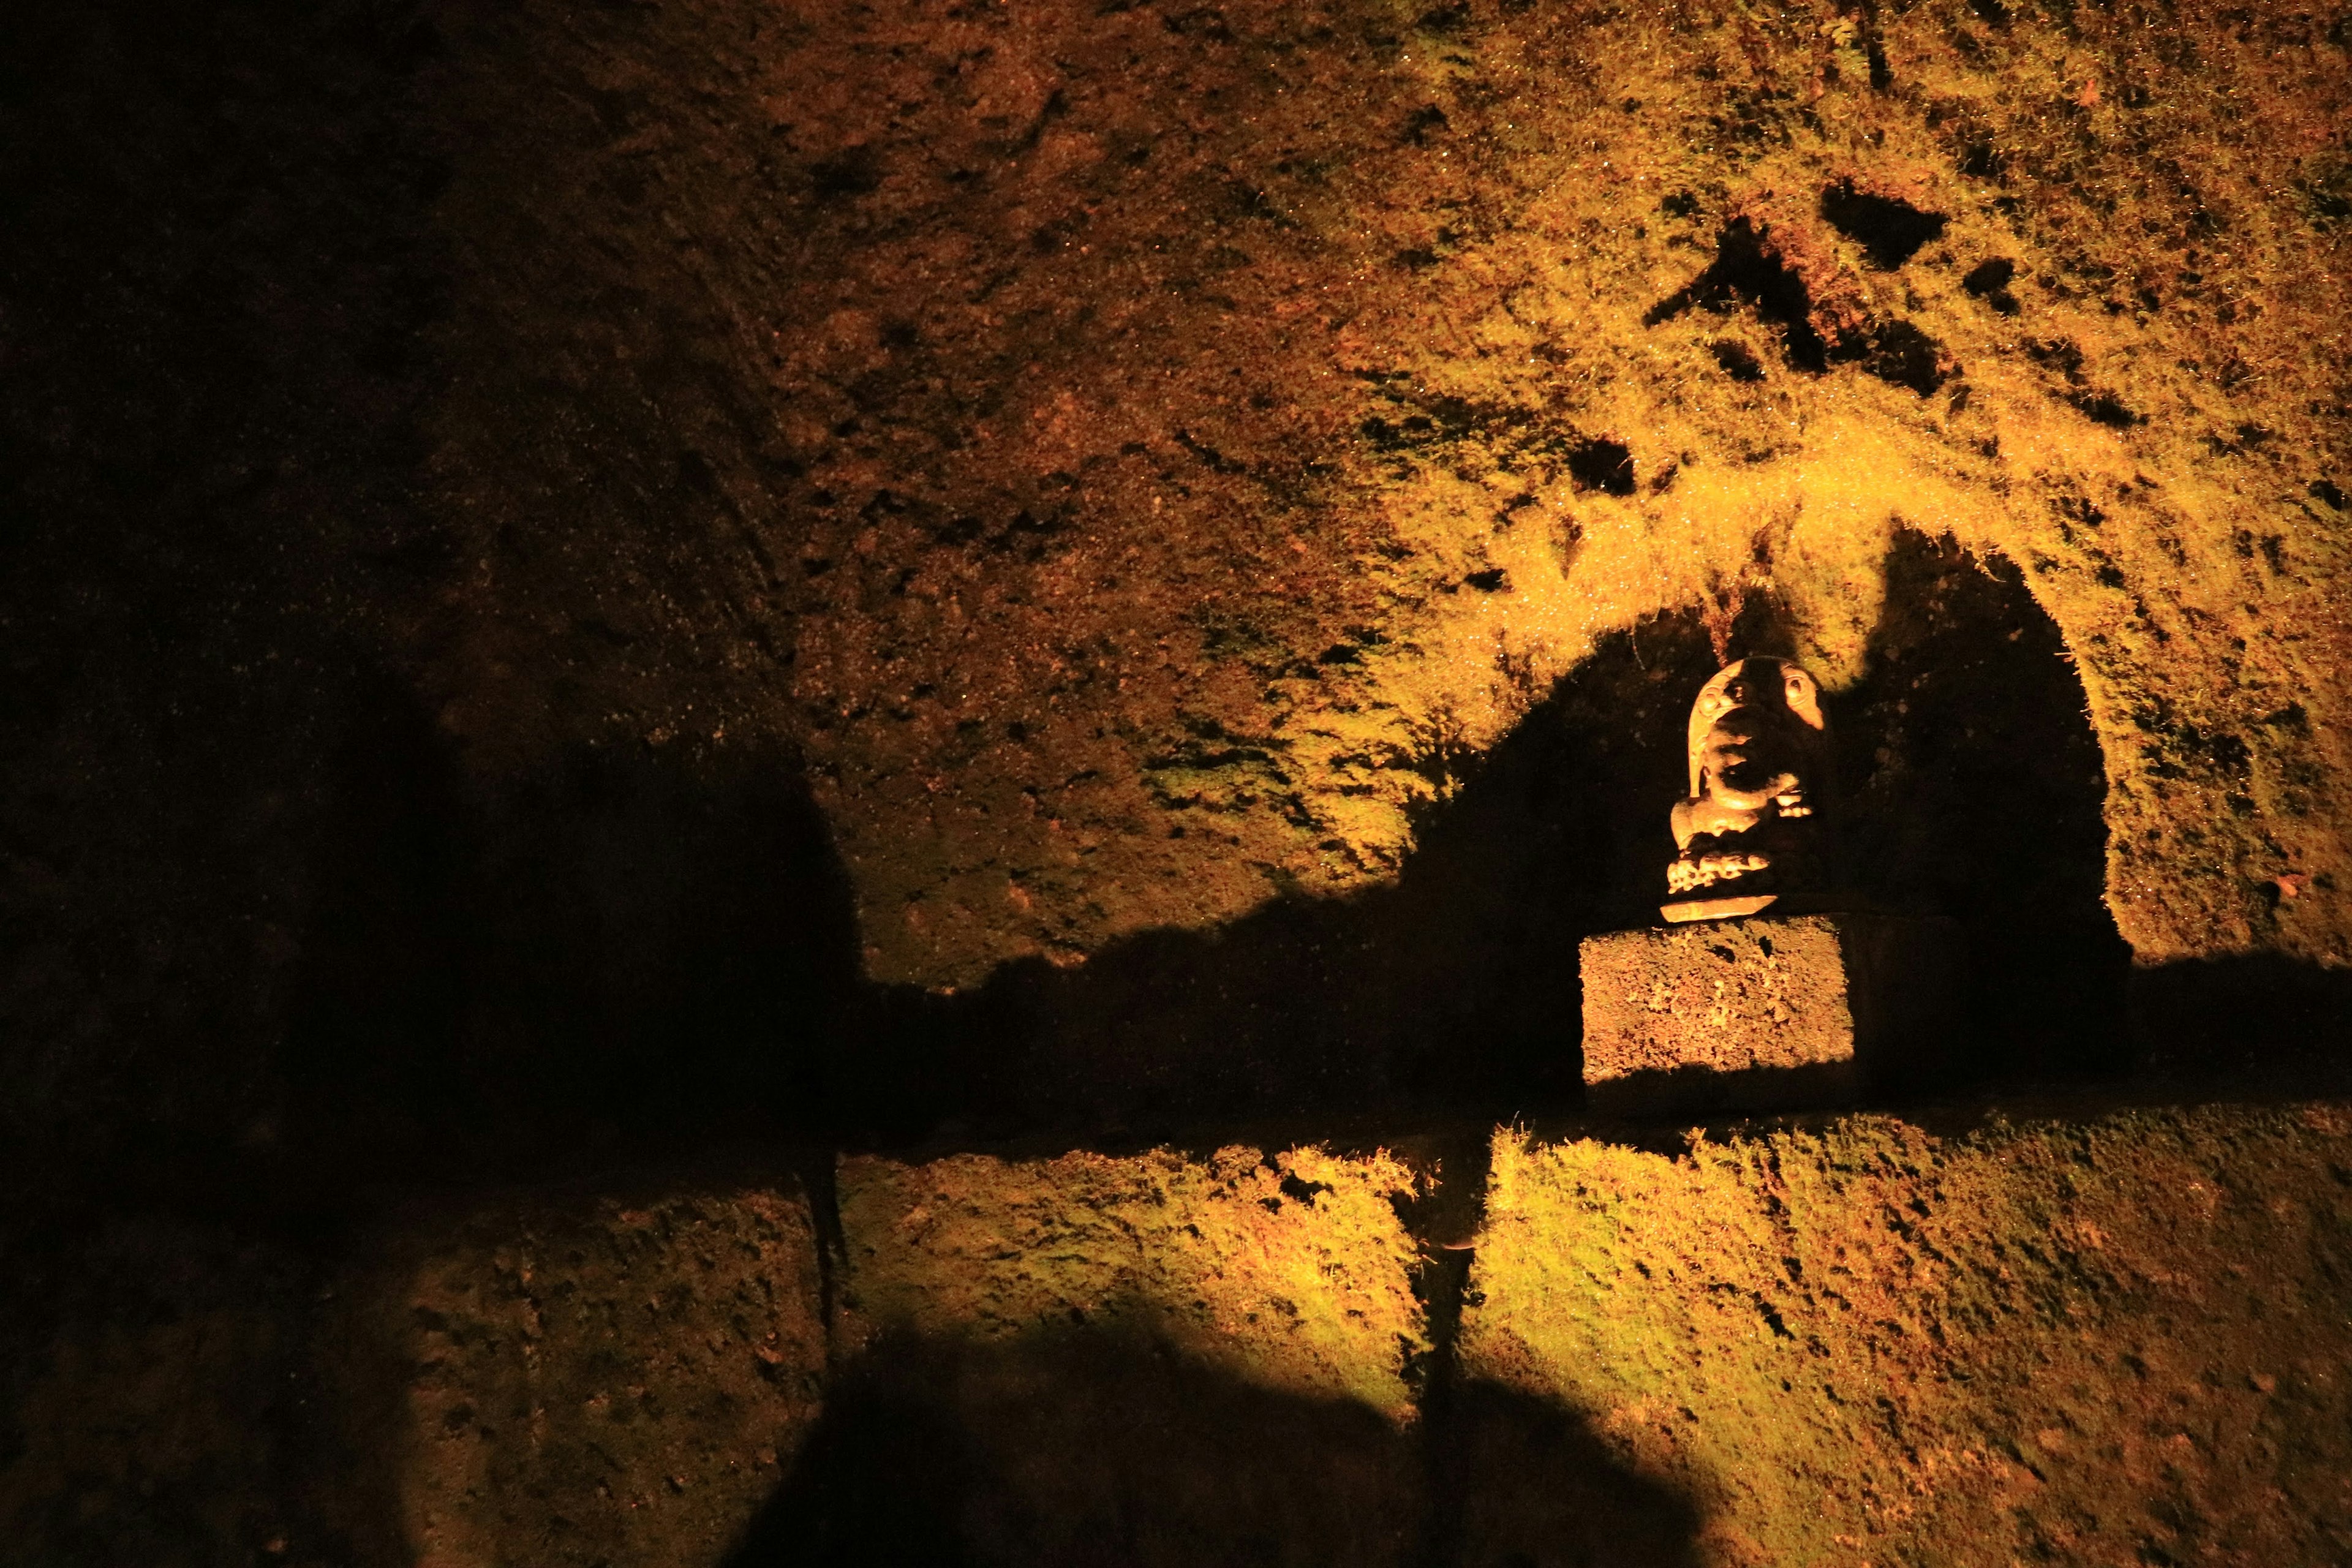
{"type": "Point", "coordinates": [1288, 1270]}
{"type": "Point", "coordinates": [2120, 1340]}
{"type": "Point", "coordinates": [1138, 458]}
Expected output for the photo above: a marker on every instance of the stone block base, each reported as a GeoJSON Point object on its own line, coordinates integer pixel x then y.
{"type": "Point", "coordinates": [1767, 1012]}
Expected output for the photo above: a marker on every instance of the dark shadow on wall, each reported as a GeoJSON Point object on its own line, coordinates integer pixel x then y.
{"type": "Point", "coordinates": [627, 952]}
{"type": "Point", "coordinates": [638, 950]}
{"type": "Point", "coordinates": [2254, 1024]}
{"type": "Point", "coordinates": [1081, 1449]}
{"type": "Point", "coordinates": [219, 275]}
{"type": "Point", "coordinates": [1451, 991]}
{"type": "Point", "coordinates": [1973, 787]}
{"type": "Point", "coordinates": [1528, 1483]}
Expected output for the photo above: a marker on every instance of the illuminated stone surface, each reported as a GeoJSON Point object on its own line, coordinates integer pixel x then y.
{"type": "Point", "coordinates": [2091, 1340]}
{"type": "Point", "coordinates": [1839, 995]}
{"type": "Point", "coordinates": [1154, 1360]}
{"type": "Point", "coordinates": [1142, 505]}
{"type": "Point", "coordinates": [2118, 1341]}
{"type": "Point", "coordinates": [1288, 1270]}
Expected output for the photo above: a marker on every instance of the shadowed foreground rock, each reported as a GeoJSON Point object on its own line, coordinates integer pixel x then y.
{"type": "Point", "coordinates": [604, 1381]}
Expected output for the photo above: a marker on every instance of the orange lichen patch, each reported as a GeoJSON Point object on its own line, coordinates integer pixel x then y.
{"type": "Point", "coordinates": [605, 1382]}
{"type": "Point", "coordinates": [1865, 1342]}
{"type": "Point", "coordinates": [1133, 451]}
{"type": "Point", "coordinates": [1290, 1272]}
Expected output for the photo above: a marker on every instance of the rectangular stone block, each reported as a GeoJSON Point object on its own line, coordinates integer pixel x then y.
{"type": "Point", "coordinates": [1795, 1007]}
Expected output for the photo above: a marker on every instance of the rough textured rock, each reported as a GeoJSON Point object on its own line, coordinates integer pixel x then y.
{"type": "Point", "coordinates": [604, 1380]}
{"type": "Point", "coordinates": [1148, 1360]}
{"type": "Point", "coordinates": [544, 543]}
{"type": "Point", "coordinates": [1290, 1270]}
{"type": "Point", "coordinates": [1070, 1447]}
{"type": "Point", "coordinates": [1866, 996]}
{"type": "Point", "coordinates": [1141, 453]}
{"type": "Point", "coordinates": [1723, 996]}
{"type": "Point", "coordinates": [2114, 1339]}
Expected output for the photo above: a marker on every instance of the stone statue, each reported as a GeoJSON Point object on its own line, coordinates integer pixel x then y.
{"type": "Point", "coordinates": [1750, 832]}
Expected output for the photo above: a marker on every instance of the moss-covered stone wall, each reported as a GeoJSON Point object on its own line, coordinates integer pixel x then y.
{"type": "Point", "coordinates": [1287, 1270]}
{"type": "Point", "coordinates": [2106, 1341]}
{"type": "Point", "coordinates": [602, 1380]}
{"type": "Point", "coordinates": [1142, 454]}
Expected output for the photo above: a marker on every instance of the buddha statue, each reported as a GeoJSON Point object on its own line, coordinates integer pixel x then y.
{"type": "Point", "coordinates": [1749, 834]}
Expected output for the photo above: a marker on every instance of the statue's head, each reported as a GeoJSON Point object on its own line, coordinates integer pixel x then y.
{"type": "Point", "coordinates": [1755, 733]}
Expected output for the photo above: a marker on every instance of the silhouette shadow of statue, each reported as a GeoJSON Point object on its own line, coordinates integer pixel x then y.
{"type": "Point", "coordinates": [1973, 787]}
{"type": "Point", "coordinates": [659, 949]}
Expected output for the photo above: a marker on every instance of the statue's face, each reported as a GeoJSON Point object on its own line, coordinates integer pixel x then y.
{"type": "Point", "coordinates": [1753, 731]}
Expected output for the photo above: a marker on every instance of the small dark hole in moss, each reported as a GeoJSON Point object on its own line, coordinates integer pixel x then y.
{"type": "Point", "coordinates": [1420, 124]}
{"type": "Point", "coordinates": [1889, 229]}
{"type": "Point", "coordinates": [1882, 75]}
{"type": "Point", "coordinates": [2106, 408]}
{"type": "Point", "coordinates": [1304, 1192]}
{"type": "Point", "coordinates": [1747, 268]}
{"type": "Point", "coordinates": [1739, 361]}
{"type": "Point", "coordinates": [1989, 276]}
{"type": "Point", "coordinates": [852, 171]}
{"type": "Point", "coordinates": [1601, 464]}
{"type": "Point", "coordinates": [1979, 161]}
{"type": "Point", "coordinates": [1902, 353]}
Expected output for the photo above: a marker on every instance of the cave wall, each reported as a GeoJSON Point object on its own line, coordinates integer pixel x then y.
{"type": "Point", "coordinates": [547, 547]}
{"type": "Point", "coordinates": [1142, 455]}
{"type": "Point", "coordinates": [537, 525]}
